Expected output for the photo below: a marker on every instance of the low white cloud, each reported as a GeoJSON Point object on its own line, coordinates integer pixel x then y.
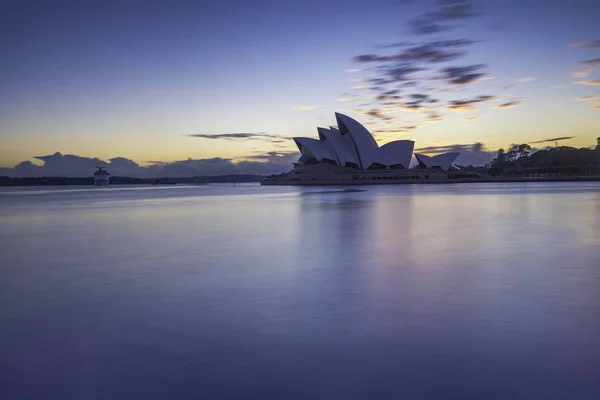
{"type": "Point", "coordinates": [528, 79]}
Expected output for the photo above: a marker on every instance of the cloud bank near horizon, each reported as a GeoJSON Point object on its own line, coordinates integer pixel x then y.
{"type": "Point", "coordinates": [274, 162]}
{"type": "Point", "coordinates": [69, 165]}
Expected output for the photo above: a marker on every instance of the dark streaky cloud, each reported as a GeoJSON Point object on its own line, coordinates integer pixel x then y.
{"type": "Point", "coordinates": [239, 136]}
{"type": "Point", "coordinates": [463, 75]}
{"type": "Point", "coordinates": [433, 52]}
{"type": "Point", "coordinates": [508, 104]}
{"type": "Point", "coordinates": [467, 105]}
{"type": "Point", "coordinates": [551, 140]}
{"type": "Point", "coordinates": [416, 65]}
{"type": "Point", "coordinates": [437, 20]}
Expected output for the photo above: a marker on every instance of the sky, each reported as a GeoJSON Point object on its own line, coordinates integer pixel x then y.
{"type": "Point", "coordinates": [221, 86]}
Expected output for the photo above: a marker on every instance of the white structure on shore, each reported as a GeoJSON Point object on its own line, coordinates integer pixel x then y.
{"type": "Point", "coordinates": [443, 161]}
{"type": "Point", "coordinates": [101, 177]}
{"type": "Point", "coordinates": [349, 152]}
{"type": "Point", "coordinates": [352, 145]}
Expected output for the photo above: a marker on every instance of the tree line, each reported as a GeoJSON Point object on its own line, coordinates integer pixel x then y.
{"type": "Point", "coordinates": [519, 159]}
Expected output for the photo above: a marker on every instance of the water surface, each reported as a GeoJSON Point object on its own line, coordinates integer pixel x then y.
{"type": "Point", "coordinates": [470, 291]}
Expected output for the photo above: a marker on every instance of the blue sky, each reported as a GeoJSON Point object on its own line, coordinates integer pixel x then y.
{"type": "Point", "coordinates": [136, 79]}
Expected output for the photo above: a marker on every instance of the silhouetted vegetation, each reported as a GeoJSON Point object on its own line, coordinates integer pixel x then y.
{"type": "Point", "coordinates": [518, 160]}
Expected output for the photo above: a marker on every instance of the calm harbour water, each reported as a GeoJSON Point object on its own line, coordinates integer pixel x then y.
{"type": "Point", "coordinates": [480, 291]}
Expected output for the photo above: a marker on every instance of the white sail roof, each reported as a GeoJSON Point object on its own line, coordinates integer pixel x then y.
{"type": "Point", "coordinates": [313, 147]}
{"type": "Point", "coordinates": [365, 146]}
{"type": "Point", "coordinates": [351, 144]}
{"type": "Point", "coordinates": [398, 152]}
{"type": "Point", "coordinates": [341, 148]}
{"type": "Point", "coordinates": [443, 161]}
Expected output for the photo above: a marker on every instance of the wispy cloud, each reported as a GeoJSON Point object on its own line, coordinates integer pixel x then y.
{"type": "Point", "coordinates": [594, 100]}
{"type": "Point", "coordinates": [528, 79]}
{"type": "Point", "coordinates": [354, 70]}
{"type": "Point", "coordinates": [468, 105]}
{"type": "Point", "coordinates": [477, 146]}
{"type": "Point", "coordinates": [271, 155]}
{"type": "Point", "coordinates": [434, 118]}
{"type": "Point", "coordinates": [240, 136]}
{"type": "Point", "coordinates": [378, 113]}
{"type": "Point", "coordinates": [427, 68]}
{"type": "Point", "coordinates": [411, 107]}
{"type": "Point", "coordinates": [551, 140]}
{"type": "Point", "coordinates": [508, 104]}
{"type": "Point", "coordinates": [403, 129]}
{"type": "Point", "coordinates": [592, 63]}
{"type": "Point", "coordinates": [347, 99]}
{"type": "Point", "coordinates": [463, 75]}
{"type": "Point", "coordinates": [592, 44]}
{"type": "Point", "coordinates": [586, 68]}
{"type": "Point", "coordinates": [437, 21]}
{"type": "Point", "coordinates": [399, 73]}
{"type": "Point", "coordinates": [594, 82]}
{"type": "Point", "coordinates": [305, 107]}
{"type": "Point", "coordinates": [431, 52]}
{"type": "Point", "coordinates": [470, 119]}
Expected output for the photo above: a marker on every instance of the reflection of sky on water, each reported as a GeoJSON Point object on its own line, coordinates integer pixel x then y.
{"type": "Point", "coordinates": [488, 291]}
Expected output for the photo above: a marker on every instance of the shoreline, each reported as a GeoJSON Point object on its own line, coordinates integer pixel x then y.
{"type": "Point", "coordinates": [502, 179]}
{"type": "Point", "coordinates": [175, 181]}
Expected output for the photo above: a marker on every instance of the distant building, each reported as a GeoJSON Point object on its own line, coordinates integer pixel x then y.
{"type": "Point", "coordinates": [349, 154]}
{"type": "Point", "coordinates": [101, 177]}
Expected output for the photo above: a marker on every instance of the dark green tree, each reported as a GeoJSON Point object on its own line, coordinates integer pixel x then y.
{"type": "Point", "coordinates": [562, 160]}
{"type": "Point", "coordinates": [498, 163]}
{"type": "Point", "coordinates": [524, 150]}
{"type": "Point", "coordinates": [518, 154]}
{"type": "Point", "coordinates": [511, 153]}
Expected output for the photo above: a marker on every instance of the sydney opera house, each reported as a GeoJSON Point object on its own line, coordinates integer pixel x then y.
{"type": "Point", "coordinates": [349, 154]}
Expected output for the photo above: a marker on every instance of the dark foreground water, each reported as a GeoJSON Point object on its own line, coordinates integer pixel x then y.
{"type": "Point", "coordinates": [483, 291]}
